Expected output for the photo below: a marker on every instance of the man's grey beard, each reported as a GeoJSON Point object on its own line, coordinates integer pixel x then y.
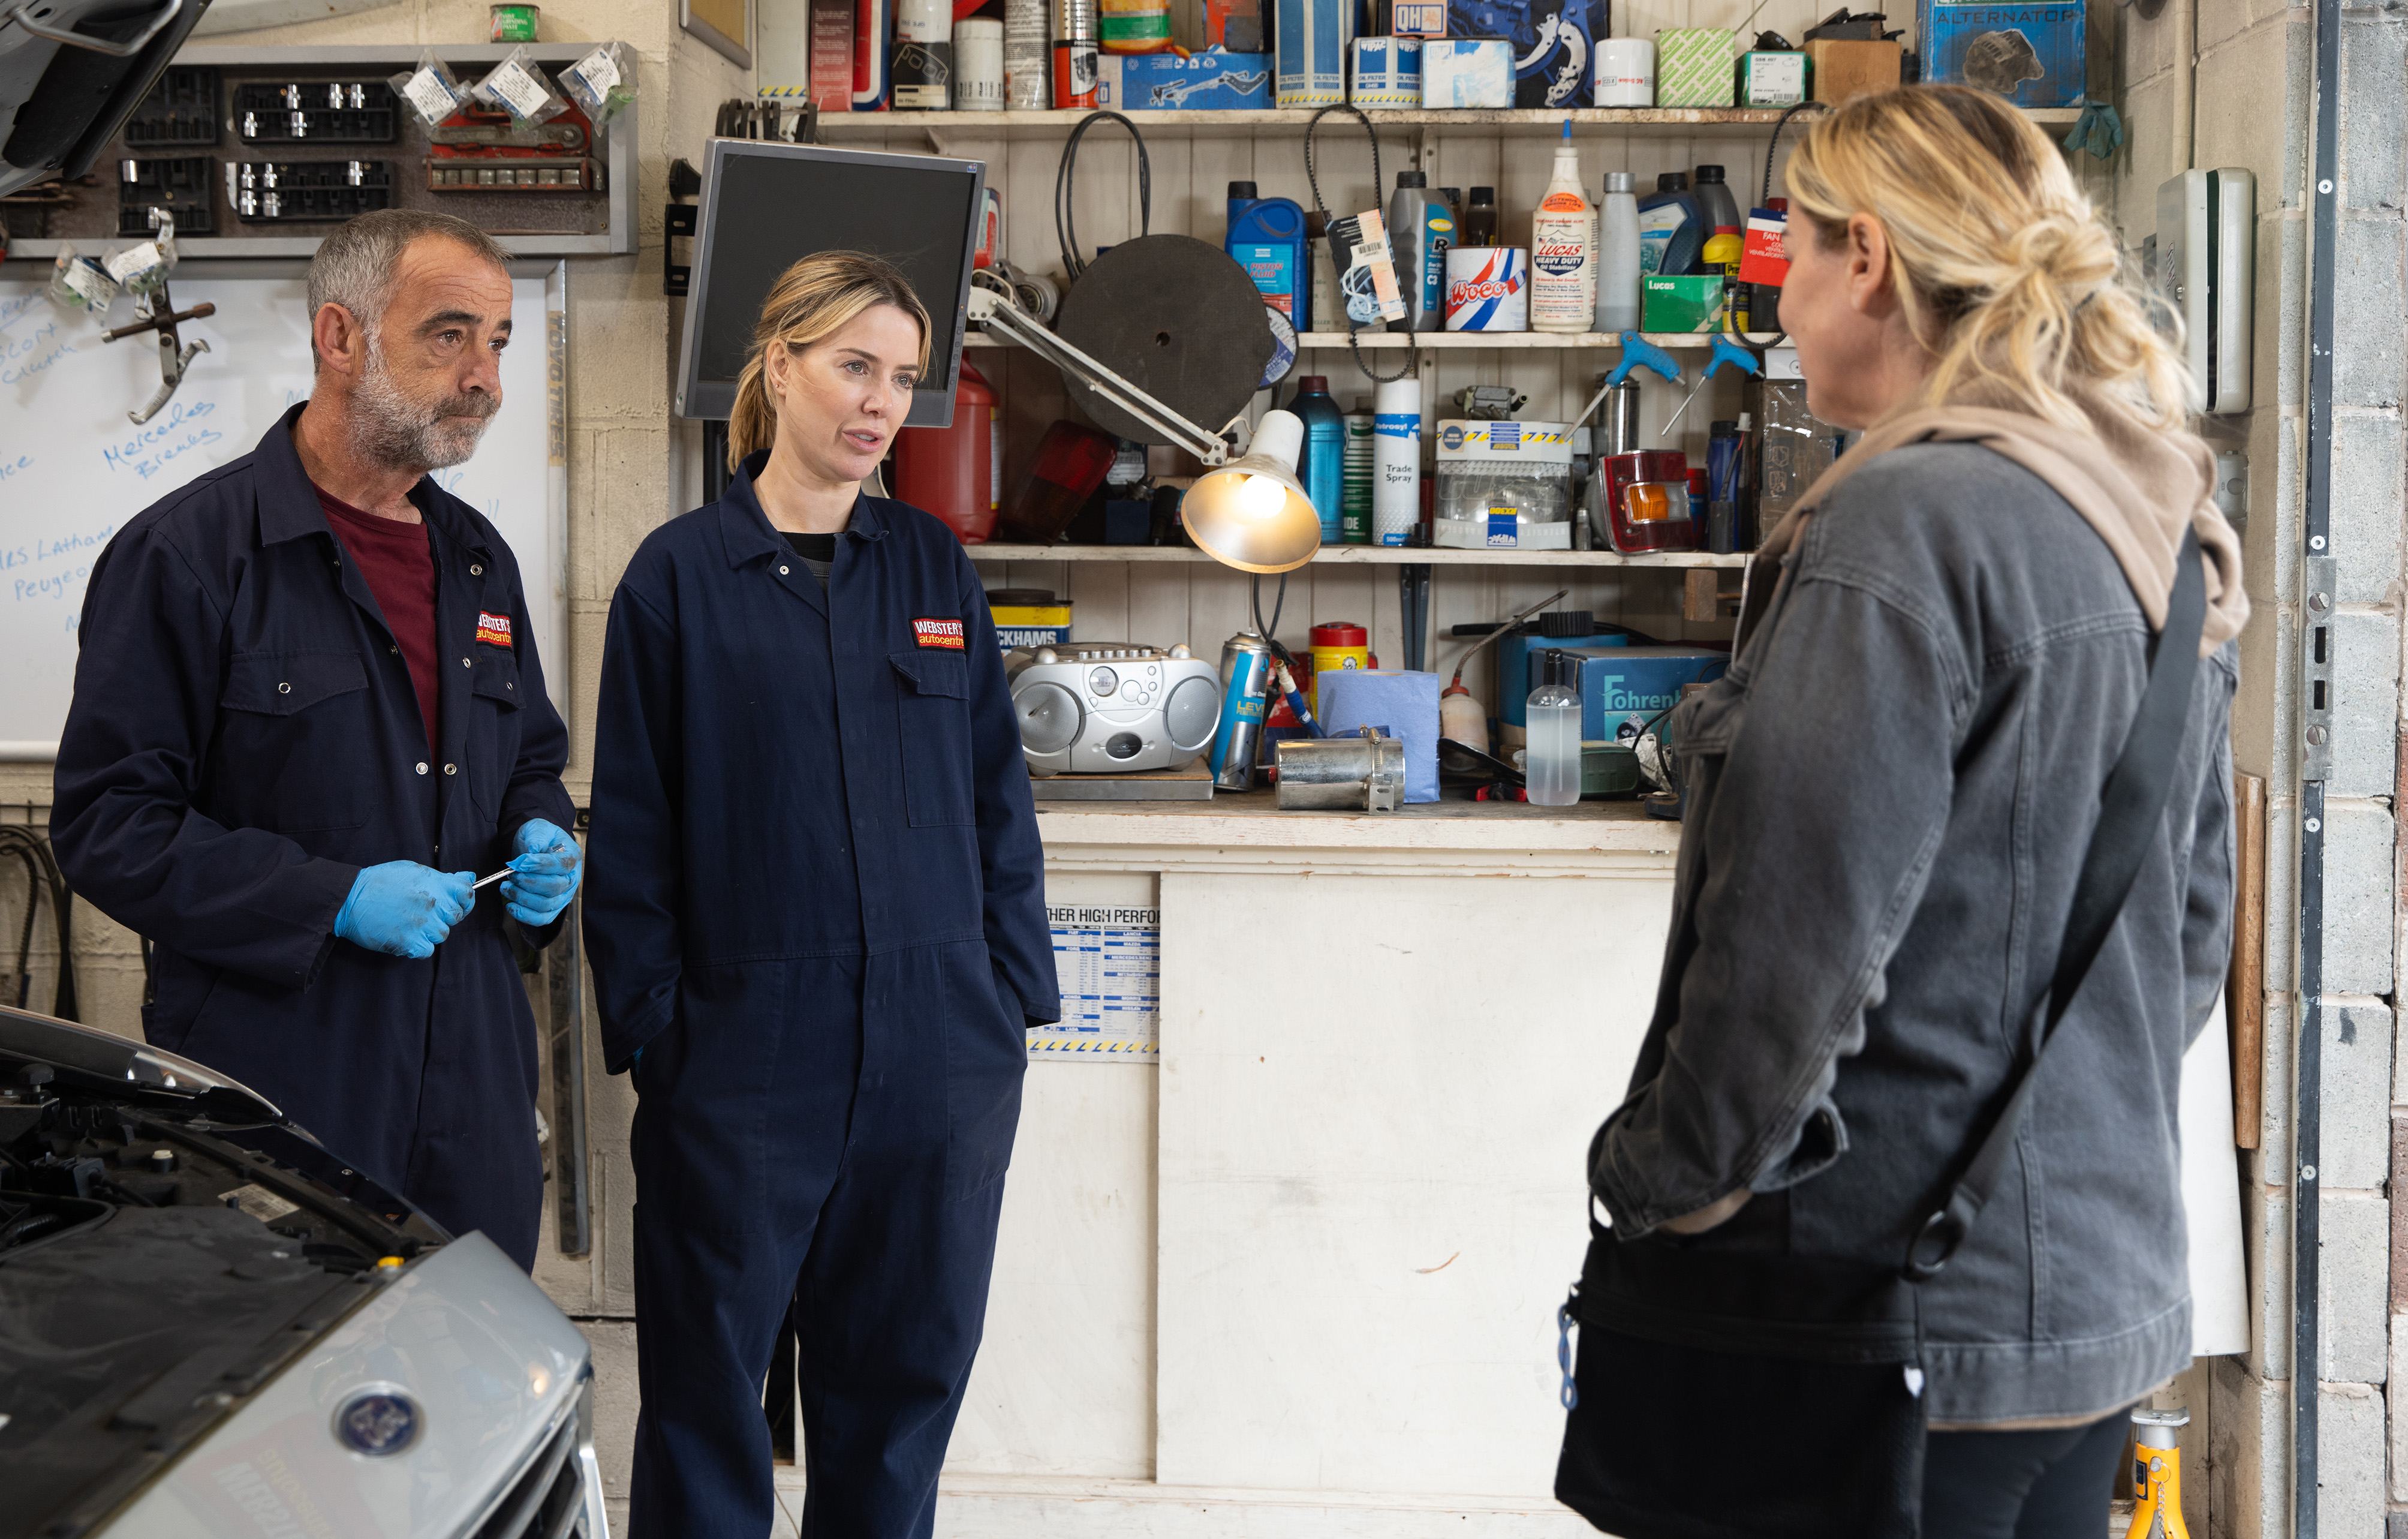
{"type": "Point", "coordinates": [393, 432]}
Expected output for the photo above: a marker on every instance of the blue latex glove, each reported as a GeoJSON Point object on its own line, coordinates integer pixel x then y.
{"type": "Point", "coordinates": [404, 908]}
{"type": "Point", "coordinates": [543, 874]}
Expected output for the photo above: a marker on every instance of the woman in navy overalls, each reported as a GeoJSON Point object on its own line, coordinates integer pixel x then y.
{"type": "Point", "coordinates": [815, 911]}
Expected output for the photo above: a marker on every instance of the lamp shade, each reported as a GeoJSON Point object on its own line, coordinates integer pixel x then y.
{"type": "Point", "coordinates": [1252, 513]}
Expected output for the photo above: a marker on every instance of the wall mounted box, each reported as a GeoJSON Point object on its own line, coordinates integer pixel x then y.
{"type": "Point", "coordinates": [1842, 67]}
{"type": "Point", "coordinates": [1459, 72]}
{"type": "Point", "coordinates": [1693, 66]}
{"type": "Point", "coordinates": [1387, 72]}
{"type": "Point", "coordinates": [2202, 263]}
{"type": "Point", "coordinates": [2030, 55]}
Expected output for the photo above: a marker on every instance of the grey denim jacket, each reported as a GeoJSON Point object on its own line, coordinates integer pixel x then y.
{"type": "Point", "coordinates": [1889, 797]}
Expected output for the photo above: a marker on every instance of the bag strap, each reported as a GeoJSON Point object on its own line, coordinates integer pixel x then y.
{"type": "Point", "coordinates": [2130, 812]}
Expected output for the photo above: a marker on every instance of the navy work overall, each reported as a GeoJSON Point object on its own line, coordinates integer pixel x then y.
{"type": "Point", "coordinates": [815, 905]}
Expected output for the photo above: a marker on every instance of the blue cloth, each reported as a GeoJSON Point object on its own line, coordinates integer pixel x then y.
{"type": "Point", "coordinates": [244, 740]}
{"type": "Point", "coordinates": [1400, 704]}
{"type": "Point", "coordinates": [815, 903]}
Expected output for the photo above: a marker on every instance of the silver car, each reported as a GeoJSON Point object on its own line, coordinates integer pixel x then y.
{"type": "Point", "coordinates": [210, 1325]}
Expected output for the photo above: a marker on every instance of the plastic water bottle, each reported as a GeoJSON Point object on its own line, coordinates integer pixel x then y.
{"type": "Point", "coordinates": [1617, 255]}
{"type": "Point", "coordinates": [1321, 466]}
{"type": "Point", "coordinates": [1551, 762]}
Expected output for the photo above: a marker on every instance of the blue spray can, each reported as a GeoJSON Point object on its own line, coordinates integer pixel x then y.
{"type": "Point", "coordinates": [1245, 683]}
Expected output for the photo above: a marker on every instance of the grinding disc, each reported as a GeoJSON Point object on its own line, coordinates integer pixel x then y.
{"type": "Point", "coordinates": [1178, 318]}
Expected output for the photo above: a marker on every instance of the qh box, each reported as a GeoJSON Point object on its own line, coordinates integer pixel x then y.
{"type": "Point", "coordinates": [1310, 54]}
{"type": "Point", "coordinates": [2030, 55]}
{"type": "Point", "coordinates": [1202, 82]}
{"type": "Point", "coordinates": [1387, 72]}
{"type": "Point", "coordinates": [1693, 66]}
{"type": "Point", "coordinates": [1459, 72]}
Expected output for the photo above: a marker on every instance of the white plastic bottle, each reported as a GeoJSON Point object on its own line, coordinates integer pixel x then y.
{"type": "Point", "coordinates": [1551, 755]}
{"type": "Point", "coordinates": [1617, 255]}
{"type": "Point", "coordinates": [1563, 249]}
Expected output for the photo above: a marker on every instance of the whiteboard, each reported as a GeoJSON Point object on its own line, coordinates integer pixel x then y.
{"type": "Point", "coordinates": [73, 468]}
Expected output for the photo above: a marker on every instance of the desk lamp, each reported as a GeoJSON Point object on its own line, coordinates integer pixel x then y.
{"type": "Point", "coordinates": [1249, 513]}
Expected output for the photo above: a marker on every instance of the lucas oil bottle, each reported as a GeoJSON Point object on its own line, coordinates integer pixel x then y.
{"type": "Point", "coordinates": [1563, 249]}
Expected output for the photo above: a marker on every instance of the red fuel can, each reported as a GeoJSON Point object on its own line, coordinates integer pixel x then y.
{"type": "Point", "coordinates": [956, 472]}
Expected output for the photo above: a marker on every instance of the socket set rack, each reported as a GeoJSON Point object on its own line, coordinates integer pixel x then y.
{"type": "Point", "coordinates": [181, 111]}
{"type": "Point", "coordinates": [179, 185]}
{"type": "Point", "coordinates": [461, 174]}
{"type": "Point", "coordinates": [273, 191]}
{"type": "Point", "coordinates": [318, 112]}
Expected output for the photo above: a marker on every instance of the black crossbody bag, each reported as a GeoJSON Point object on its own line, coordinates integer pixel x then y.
{"type": "Point", "coordinates": [1684, 1350]}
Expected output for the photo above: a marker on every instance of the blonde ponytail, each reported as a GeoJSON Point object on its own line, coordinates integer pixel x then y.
{"type": "Point", "coordinates": [2007, 275]}
{"type": "Point", "coordinates": [810, 302]}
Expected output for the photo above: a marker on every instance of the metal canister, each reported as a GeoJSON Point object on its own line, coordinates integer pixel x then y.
{"type": "Point", "coordinates": [514, 23]}
{"type": "Point", "coordinates": [1026, 57]}
{"type": "Point", "coordinates": [1358, 772]}
{"type": "Point", "coordinates": [1245, 683]}
{"type": "Point", "coordinates": [1076, 53]}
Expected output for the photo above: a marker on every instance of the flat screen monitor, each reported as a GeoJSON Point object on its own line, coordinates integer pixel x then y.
{"type": "Point", "coordinates": [766, 206]}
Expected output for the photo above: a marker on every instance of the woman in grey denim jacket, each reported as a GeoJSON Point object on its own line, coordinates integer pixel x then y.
{"type": "Point", "coordinates": [1890, 792]}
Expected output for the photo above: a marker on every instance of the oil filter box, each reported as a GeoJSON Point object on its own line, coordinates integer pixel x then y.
{"type": "Point", "coordinates": [1309, 51]}
{"type": "Point", "coordinates": [1213, 80]}
{"type": "Point", "coordinates": [1554, 44]}
{"type": "Point", "coordinates": [1387, 72]}
{"type": "Point", "coordinates": [1459, 72]}
{"type": "Point", "coordinates": [1693, 66]}
{"type": "Point", "coordinates": [2032, 55]}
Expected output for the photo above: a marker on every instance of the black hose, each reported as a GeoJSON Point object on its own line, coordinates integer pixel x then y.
{"type": "Point", "coordinates": [1065, 178]}
{"type": "Point", "coordinates": [42, 871]}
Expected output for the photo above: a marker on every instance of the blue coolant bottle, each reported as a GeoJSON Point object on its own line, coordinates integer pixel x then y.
{"type": "Point", "coordinates": [1320, 464]}
{"type": "Point", "coordinates": [1267, 238]}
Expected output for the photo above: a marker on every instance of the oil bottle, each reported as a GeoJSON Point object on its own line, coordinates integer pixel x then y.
{"type": "Point", "coordinates": [1563, 249]}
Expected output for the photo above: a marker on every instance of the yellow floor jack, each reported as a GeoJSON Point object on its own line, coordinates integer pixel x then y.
{"type": "Point", "coordinates": [2156, 1475]}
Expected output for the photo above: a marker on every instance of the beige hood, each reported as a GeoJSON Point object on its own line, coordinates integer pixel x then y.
{"type": "Point", "coordinates": [2137, 488]}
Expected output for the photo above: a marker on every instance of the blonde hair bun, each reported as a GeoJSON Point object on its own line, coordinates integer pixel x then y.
{"type": "Point", "coordinates": [2007, 274]}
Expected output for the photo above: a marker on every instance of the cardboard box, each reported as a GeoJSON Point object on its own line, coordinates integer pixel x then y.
{"type": "Point", "coordinates": [1032, 626]}
{"type": "Point", "coordinates": [1423, 19]}
{"type": "Point", "coordinates": [831, 76]}
{"type": "Point", "coordinates": [1623, 689]}
{"type": "Point", "coordinates": [1387, 72]}
{"type": "Point", "coordinates": [1518, 659]}
{"type": "Point", "coordinates": [1691, 303]}
{"type": "Point", "coordinates": [1771, 78]}
{"type": "Point", "coordinates": [2030, 55]}
{"type": "Point", "coordinates": [1236, 25]}
{"type": "Point", "coordinates": [1846, 66]}
{"type": "Point", "coordinates": [1553, 45]}
{"type": "Point", "coordinates": [1201, 82]}
{"type": "Point", "coordinates": [1467, 72]}
{"type": "Point", "coordinates": [1309, 54]}
{"type": "Point", "coordinates": [1693, 66]}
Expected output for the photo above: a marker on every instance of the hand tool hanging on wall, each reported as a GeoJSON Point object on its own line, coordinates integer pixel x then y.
{"type": "Point", "coordinates": [156, 312]}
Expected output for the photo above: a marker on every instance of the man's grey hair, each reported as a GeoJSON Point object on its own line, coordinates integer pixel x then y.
{"type": "Point", "coordinates": [358, 266]}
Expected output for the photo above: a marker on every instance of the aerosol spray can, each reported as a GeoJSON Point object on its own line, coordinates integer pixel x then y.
{"type": "Point", "coordinates": [1396, 459]}
{"type": "Point", "coordinates": [1245, 681]}
{"type": "Point", "coordinates": [1075, 52]}
{"type": "Point", "coordinates": [1026, 59]}
{"type": "Point", "coordinates": [1355, 514]}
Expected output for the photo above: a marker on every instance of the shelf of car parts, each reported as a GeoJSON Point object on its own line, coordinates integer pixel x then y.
{"type": "Point", "coordinates": [1472, 341]}
{"type": "Point", "coordinates": [1369, 556]}
{"type": "Point", "coordinates": [1637, 121]}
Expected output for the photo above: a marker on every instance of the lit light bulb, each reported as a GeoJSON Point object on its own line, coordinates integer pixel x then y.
{"type": "Point", "coordinates": [1260, 496]}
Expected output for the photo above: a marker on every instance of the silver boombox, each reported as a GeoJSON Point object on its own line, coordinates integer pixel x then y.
{"type": "Point", "coordinates": [1118, 707]}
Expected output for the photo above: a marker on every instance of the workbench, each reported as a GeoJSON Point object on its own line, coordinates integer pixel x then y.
{"type": "Point", "coordinates": [1302, 1275]}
